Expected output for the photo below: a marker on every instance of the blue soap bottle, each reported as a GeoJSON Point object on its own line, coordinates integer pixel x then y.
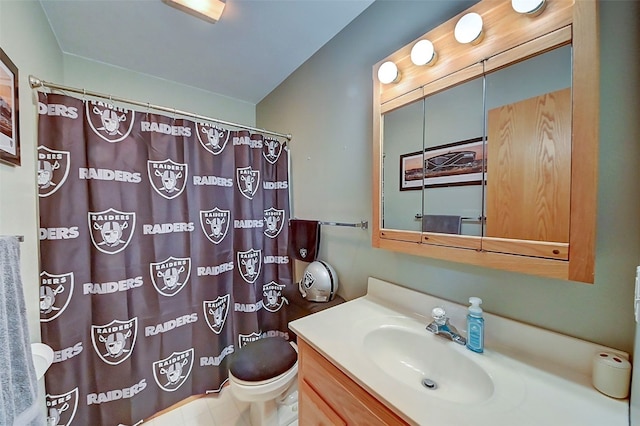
{"type": "Point", "coordinates": [475, 326]}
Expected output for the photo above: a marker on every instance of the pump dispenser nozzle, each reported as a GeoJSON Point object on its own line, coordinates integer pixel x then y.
{"type": "Point", "coordinates": [475, 308]}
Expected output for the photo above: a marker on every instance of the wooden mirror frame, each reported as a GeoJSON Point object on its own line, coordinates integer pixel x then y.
{"type": "Point", "coordinates": [509, 37]}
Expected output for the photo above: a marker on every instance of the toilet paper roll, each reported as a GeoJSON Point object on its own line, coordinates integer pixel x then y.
{"type": "Point", "coordinates": [611, 374]}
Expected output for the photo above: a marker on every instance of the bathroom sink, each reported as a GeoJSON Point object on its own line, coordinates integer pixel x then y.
{"type": "Point", "coordinates": [526, 376]}
{"type": "Point", "coordinates": [427, 363]}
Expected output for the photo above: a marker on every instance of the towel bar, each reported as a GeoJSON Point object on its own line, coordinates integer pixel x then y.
{"type": "Point", "coordinates": [363, 224]}
{"type": "Point", "coordinates": [418, 216]}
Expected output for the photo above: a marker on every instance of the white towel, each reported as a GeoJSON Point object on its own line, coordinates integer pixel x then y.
{"type": "Point", "coordinates": [18, 382]}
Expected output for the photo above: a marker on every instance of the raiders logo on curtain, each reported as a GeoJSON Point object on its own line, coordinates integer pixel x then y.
{"type": "Point", "coordinates": [114, 342]}
{"type": "Point", "coordinates": [274, 220]}
{"type": "Point", "coordinates": [173, 371]}
{"type": "Point", "coordinates": [55, 294]}
{"type": "Point", "coordinates": [53, 169]}
{"type": "Point", "coordinates": [215, 312]}
{"type": "Point", "coordinates": [212, 138]}
{"type": "Point", "coordinates": [111, 123]}
{"type": "Point", "coordinates": [248, 181]}
{"type": "Point", "coordinates": [171, 275]}
{"type": "Point", "coordinates": [243, 339]}
{"type": "Point", "coordinates": [215, 224]}
{"type": "Point", "coordinates": [250, 264]}
{"type": "Point", "coordinates": [61, 409]}
{"type": "Point", "coordinates": [111, 230]}
{"type": "Point", "coordinates": [273, 299]}
{"type": "Point", "coordinates": [271, 150]}
{"type": "Point", "coordinates": [167, 177]}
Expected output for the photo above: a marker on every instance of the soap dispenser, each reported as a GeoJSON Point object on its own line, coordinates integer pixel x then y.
{"type": "Point", "coordinates": [475, 326]}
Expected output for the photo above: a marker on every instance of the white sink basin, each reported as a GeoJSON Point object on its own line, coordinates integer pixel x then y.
{"type": "Point", "coordinates": [409, 356]}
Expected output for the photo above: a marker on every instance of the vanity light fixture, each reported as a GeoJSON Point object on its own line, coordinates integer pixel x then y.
{"type": "Point", "coordinates": [423, 53]}
{"type": "Point", "coordinates": [469, 29]}
{"type": "Point", "coordinates": [388, 73]}
{"type": "Point", "coordinates": [529, 7]}
{"type": "Point", "coordinates": [208, 10]}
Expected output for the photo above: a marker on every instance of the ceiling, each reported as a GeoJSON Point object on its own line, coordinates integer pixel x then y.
{"type": "Point", "coordinates": [248, 53]}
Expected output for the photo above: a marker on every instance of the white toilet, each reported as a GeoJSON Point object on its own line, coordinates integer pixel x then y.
{"type": "Point", "coordinates": [264, 373]}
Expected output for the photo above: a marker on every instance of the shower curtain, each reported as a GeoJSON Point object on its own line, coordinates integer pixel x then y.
{"type": "Point", "coordinates": [163, 249]}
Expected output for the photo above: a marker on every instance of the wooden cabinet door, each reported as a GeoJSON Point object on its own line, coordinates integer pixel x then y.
{"type": "Point", "coordinates": [313, 410]}
{"type": "Point", "coordinates": [326, 393]}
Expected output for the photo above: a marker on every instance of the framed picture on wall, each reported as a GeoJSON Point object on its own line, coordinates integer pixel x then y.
{"type": "Point", "coordinates": [453, 164]}
{"type": "Point", "coordinates": [9, 123]}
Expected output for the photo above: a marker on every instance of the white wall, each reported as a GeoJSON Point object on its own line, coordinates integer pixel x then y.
{"type": "Point", "coordinates": [108, 79]}
{"type": "Point", "coordinates": [327, 106]}
{"type": "Point", "coordinates": [26, 38]}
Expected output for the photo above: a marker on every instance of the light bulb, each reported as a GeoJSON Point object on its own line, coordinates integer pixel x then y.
{"type": "Point", "coordinates": [423, 53]}
{"type": "Point", "coordinates": [469, 29]}
{"type": "Point", "coordinates": [388, 73]}
{"type": "Point", "coordinates": [528, 7]}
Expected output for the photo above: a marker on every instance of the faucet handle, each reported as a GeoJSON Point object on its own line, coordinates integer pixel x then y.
{"type": "Point", "coordinates": [439, 315]}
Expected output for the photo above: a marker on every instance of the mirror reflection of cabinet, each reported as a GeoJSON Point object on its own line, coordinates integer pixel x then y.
{"type": "Point", "coordinates": [529, 128]}
{"type": "Point", "coordinates": [513, 106]}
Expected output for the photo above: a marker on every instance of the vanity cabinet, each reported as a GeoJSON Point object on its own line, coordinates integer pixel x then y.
{"type": "Point", "coordinates": [514, 119]}
{"type": "Point", "coordinates": [328, 397]}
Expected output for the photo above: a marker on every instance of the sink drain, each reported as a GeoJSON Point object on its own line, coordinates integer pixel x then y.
{"type": "Point", "coordinates": [429, 384]}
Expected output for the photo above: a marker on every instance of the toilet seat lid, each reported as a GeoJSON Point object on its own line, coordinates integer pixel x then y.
{"type": "Point", "coordinates": [263, 359]}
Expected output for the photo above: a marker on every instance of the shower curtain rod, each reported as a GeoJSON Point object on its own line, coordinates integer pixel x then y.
{"type": "Point", "coordinates": [35, 82]}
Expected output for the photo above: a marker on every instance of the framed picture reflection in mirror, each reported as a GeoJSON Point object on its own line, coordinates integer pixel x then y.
{"type": "Point", "coordinates": [458, 163]}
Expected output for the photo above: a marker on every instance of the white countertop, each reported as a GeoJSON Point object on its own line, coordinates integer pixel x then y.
{"type": "Point", "coordinates": [540, 377]}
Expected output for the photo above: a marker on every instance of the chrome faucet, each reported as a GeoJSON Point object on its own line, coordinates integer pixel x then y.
{"type": "Point", "coordinates": [441, 326]}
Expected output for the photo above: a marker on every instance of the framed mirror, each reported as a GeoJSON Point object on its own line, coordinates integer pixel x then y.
{"type": "Point", "coordinates": [544, 68]}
